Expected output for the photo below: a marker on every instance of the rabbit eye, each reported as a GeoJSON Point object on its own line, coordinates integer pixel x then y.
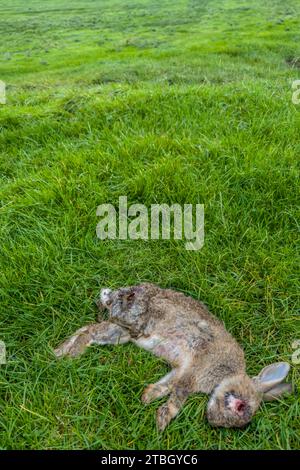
{"type": "Point", "coordinates": [240, 407]}
{"type": "Point", "coordinates": [131, 296]}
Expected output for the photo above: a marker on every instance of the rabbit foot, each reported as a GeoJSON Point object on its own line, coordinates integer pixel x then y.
{"type": "Point", "coordinates": [95, 333]}
{"type": "Point", "coordinates": [73, 346]}
{"type": "Point", "coordinates": [154, 391]}
{"type": "Point", "coordinates": [164, 415]}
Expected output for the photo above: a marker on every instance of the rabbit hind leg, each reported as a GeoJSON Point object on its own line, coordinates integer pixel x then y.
{"type": "Point", "coordinates": [95, 333]}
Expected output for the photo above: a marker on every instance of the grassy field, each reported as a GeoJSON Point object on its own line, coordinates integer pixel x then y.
{"type": "Point", "coordinates": [163, 101]}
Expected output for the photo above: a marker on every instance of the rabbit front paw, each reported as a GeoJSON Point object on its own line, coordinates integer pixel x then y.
{"type": "Point", "coordinates": [154, 391]}
{"type": "Point", "coordinates": [163, 416]}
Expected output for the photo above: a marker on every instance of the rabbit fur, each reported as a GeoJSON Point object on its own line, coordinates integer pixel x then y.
{"type": "Point", "coordinates": [203, 355]}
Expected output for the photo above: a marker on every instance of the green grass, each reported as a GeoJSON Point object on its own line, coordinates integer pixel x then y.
{"type": "Point", "coordinates": [162, 101]}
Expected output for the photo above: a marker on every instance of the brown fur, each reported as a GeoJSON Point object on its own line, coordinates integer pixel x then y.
{"type": "Point", "coordinates": [203, 355]}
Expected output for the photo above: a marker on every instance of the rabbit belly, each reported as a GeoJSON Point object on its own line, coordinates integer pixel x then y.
{"type": "Point", "coordinates": [180, 342]}
{"type": "Point", "coordinates": [172, 352]}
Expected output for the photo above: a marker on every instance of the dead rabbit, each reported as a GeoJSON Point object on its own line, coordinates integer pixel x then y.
{"type": "Point", "coordinates": [204, 357]}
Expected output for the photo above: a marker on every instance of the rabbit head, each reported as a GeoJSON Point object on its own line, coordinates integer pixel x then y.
{"type": "Point", "coordinates": [236, 399]}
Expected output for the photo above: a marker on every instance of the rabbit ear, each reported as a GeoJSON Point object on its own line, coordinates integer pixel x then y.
{"type": "Point", "coordinates": [271, 376]}
{"type": "Point", "coordinates": [277, 391]}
